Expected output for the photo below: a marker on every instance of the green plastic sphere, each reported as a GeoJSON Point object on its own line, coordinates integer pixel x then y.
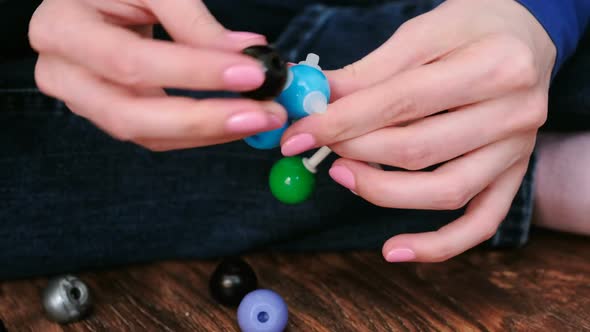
{"type": "Point", "coordinates": [290, 182]}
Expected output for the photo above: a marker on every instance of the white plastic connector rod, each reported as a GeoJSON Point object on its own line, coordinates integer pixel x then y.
{"type": "Point", "coordinates": [312, 162]}
{"type": "Point", "coordinates": [312, 60]}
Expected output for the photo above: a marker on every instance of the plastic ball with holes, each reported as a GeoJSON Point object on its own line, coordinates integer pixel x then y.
{"type": "Point", "coordinates": [263, 311]}
{"type": "Point", "coordinates": [66, 299]}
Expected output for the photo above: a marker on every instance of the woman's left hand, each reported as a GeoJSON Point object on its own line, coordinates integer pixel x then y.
{"type": "Point", "coordinates": [464, 86]}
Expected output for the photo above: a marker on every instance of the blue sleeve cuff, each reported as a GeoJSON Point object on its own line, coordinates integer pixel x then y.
{"type": "Point", "coordinates": [565, 22]}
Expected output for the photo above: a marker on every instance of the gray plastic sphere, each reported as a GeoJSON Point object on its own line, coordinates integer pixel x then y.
{"type": "Point", "coordinates": [66, 299]}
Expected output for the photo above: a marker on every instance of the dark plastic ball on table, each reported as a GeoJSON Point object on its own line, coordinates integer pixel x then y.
{"type": "Point", "coordinates": [231, 281]}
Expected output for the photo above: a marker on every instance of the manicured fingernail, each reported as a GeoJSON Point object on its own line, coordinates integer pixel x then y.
{"type": "Point", "coordinates": [243, 77]}
{"type": "Point", "coordinates": [240, 36]}
{"type": "Point", "coordinates": [297, 144]}
{"type": "Point", "coordinates": [248, 122]}
{"type": "Point", "coordinates": [400, 255]}
{"type": "Point", "coordinates": [343, 176]}
{"type": "Point", "coordinates": [276, 121]}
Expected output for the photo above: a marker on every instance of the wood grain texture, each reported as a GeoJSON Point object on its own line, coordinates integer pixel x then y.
{"type": "Point", "coordinates": [543, 287]}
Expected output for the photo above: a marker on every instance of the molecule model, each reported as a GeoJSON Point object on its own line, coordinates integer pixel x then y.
{"type": "Point", "coordinates": [304, 91]}
{"type": "Point", "coordinates": [275, 70]}
{"type": "Point", "coordinates": [307, 90]}
{"type": "Point", "coordinates": [292, 179]}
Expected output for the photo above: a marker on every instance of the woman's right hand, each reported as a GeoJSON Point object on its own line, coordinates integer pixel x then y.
{"type": "Point", "coordinates": [100, 59]}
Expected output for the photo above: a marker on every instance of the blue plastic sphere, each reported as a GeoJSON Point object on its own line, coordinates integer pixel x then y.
{"type": "Point", "coordinates": [305, 87]}
{"type": "Point", "coordinates": [267, 140]}
{"type": "Point", "coordinates": [262, 311]}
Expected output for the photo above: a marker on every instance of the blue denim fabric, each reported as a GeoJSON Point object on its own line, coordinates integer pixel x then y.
{"type": "Point", "coordinates": [72, 198]}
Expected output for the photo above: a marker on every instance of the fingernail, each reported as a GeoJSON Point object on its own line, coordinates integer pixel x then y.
{"type": "Point", "coordinates": [248, 122]}
{"type": "Point", "coordinates": [298, 144]}
{"type": "Point", "coordinates": [400, 255]}
{"type": "Point", "coordinates": [240, 36]}
{"type": "Point", "coordinates": [276, 121]}
{"type": "Point", "coordinates": [243, 77]}
{"type": "Point", "coordinates": [343, 176]}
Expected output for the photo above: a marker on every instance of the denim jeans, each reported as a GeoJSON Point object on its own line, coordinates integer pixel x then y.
{"type": "Point", "coordinates": [72, 198]}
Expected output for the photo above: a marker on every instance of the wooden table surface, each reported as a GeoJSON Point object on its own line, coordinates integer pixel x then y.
{"type": "Point", "coordinates": [543, 287]}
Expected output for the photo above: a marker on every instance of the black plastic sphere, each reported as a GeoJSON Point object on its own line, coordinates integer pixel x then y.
{"type": "Point", "coordinates": [275, 69]}
{"type": "Point", "coordinates": [66, 299]}
{"type": "Point", "coordinates": [231, 281]}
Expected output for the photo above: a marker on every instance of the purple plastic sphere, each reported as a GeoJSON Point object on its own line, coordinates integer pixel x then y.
{"type": "Point", "coordinates": [263, 311]}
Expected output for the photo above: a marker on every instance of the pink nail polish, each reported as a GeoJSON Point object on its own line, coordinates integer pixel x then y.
{"type": "Point", "coordinates": [343, 176]}
{"type": "Point", "coordinates": [276, 121]}
{"type": "Point", "coordinates": [240, 36]}
{"type": "Point", "coordinates": [243, 77]}
{"type": "Point", "coordinates": [248, 122]}
{"type": "Point", "coordinates": [400, 255]}
{"type": "Point", "coordinates": [298, 144]}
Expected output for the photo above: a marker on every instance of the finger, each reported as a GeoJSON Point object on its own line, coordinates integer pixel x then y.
{"type": "Point", "coordinates": [130, 117]}
{"type": "Point", "coordinates": [446, 136]}
{"type": "Point", "coordinates": [481, 71]}
{"type": "Point", "coordinates": [123, 57]}
{"type": "Point", "coordinates": [478, 224]}
{"type": "Point", "coordinates": [190, 22]}
{"type": "Point", "coordinates": [124, 12]}
{"type": "Point", "coordinates": [449, 187]}
{"type": "Point", "coordinates": [418, 41]}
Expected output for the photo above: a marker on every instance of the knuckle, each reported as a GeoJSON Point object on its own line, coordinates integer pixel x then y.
{"type": "Point", "coordinates": [536, 110]}
{"type": "Point", "coordinates": [488, 232]}
{"type": "Point", "coordinates": [116, 126]}
{"type": "Point", "coordinates": [402, 108]}
{"type": "Point", "coordinates": [195, 127]}
{"type": "Point", "coordinates": [203, 22]}
{"type": "Point", "coordinates": [452, 196]}
{"type": "Point", "coordinates": [412, 156]}
{"type": "Point", "coordinates": [76, 109]}
{"type": "Point", "coordinates": [531, 113]}
{"type": "Point", "coordinates": [340, 129]}
{"type": "Point", "coordinates": [43, 79]}
{"type": "Point", "coordinates": [409, 28]}
{"type": "Point", "coordinates": [42, 31]}
{"type": "Point", "coordinates": [351, 70]}
{"type": "Point", "coordinates": [153, 147]}
{"type": "Point", "coordinates": [517, 68]}
{"type": "Point", "coordinates": [127, 67]}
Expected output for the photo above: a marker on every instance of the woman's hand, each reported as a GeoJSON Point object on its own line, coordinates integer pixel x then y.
{"type": "Point", "coordinates": [463, 87]}
{"type": "Point", "coordinates": [99, 58]}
